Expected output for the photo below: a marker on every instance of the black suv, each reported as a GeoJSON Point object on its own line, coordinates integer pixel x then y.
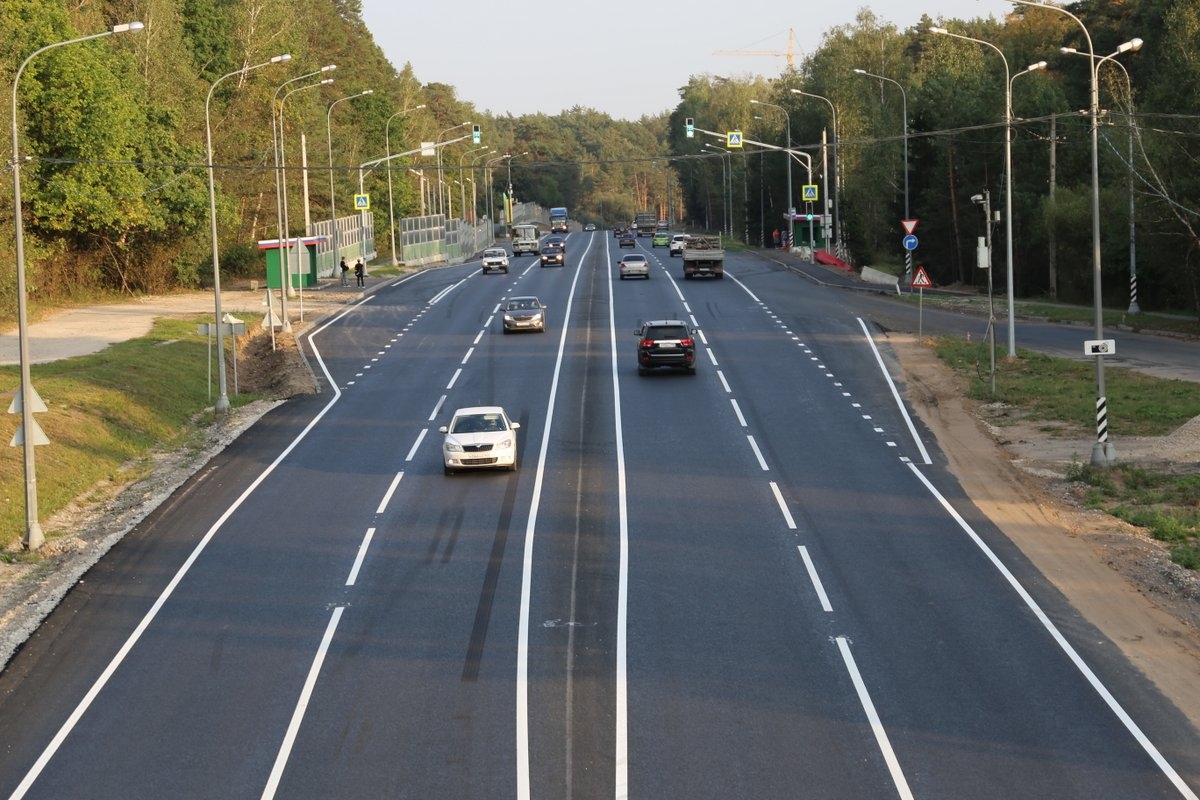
{"type": "Point", "coordinates": [665, 343]}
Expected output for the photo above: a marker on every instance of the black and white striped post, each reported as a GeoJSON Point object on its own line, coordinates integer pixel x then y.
{"type": "Point", "coordinates": [1103, 453]}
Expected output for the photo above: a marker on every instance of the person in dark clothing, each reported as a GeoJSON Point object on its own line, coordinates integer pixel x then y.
{"type": "Point", "coordinates": [345, 273]}
{"type": "Point", "coordinates": [360, 273]}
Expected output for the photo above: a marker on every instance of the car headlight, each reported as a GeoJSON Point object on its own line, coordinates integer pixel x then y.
{"type": "Point", "coordinates": [452, 447]}
{"type": "Point", "coordinates": [504, 444]}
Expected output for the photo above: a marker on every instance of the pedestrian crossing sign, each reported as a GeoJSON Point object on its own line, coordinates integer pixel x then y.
{"type": "Point", "coordinates": [809, 193]}
{"type": "Point", "coordinates": [362, 202]}
{"type": "Point", "coordinates": [921, 279]}
{"type": "Point", "coordinates": [733, 139]}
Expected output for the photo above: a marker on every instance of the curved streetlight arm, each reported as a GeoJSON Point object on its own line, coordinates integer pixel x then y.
{"type": "Point", "coordinates": [34, 537]}
{"type": "Point", "coordinates": [836, 171]}
{"type": "Point", "coordinates": [332, 192]}
{"type": "Point", "coordinates": [387, 143]}
{"type": "Point", "coordinates": [904, 114]}
{"type": "Point", "coordinates": [222, 404]}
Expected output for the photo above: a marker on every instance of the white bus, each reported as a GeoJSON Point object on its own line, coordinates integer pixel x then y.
{"type": "Point", "coordinates": [524, 238]}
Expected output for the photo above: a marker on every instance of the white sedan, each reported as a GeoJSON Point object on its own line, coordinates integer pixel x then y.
{"type": "Point", "coordinates": [480, 437]}
{"type": "Point", "coordinates": [634, 265]}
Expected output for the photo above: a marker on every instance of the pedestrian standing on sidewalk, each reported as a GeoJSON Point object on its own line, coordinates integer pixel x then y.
{"type": "Point", "coordinates": [360, 273]}
{"type": "Point", "coordinates": [345, 273]}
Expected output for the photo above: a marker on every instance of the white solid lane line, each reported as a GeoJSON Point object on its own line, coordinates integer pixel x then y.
{"type": "Point", "coordinates": [895, 394]}
{"type": "Point", "coordinates": [523, 623]}
{"type": "Point", "coordinates": [881, 737]}
{"type": "Point", "coordinates": [1076, 659]}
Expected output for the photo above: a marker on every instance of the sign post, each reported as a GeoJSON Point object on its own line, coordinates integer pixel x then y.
{"type": "Point", "coordinates": [909, 225]}
{"type": "Point", "coordinates": [920, 281]}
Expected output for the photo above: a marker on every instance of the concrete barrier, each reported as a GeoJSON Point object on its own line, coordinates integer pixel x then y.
{"type": "Point", "coordinates": [884, 278]}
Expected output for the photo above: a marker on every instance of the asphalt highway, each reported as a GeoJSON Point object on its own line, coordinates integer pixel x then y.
{"type": "Point", "coordinates": [757, 581]}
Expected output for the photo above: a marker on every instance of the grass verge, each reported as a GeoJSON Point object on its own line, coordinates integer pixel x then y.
{"type": "Point", "coordinates": [1060, 394]}
{"type": "Point", "coordinates": [106, 413]}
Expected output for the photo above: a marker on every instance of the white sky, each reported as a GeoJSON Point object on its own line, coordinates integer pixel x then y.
{"type": "Point", "coordinates": [620, 57]}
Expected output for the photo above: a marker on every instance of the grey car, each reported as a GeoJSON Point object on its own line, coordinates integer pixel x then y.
{"type": "Point", "coordinates": [524, 314]}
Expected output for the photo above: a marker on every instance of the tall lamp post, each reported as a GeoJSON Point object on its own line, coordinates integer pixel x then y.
{"type": "Point", "coordinates": [387, 141]}
{"type": "Point", "coordinates": [790, 208]}
{"type": "Point", "coordinates": [1103, 451]}
{"type": "Point", "coordinates": [904, 129]}
{"type": "Point", "coordinates": [441, 209]}
{"type": "Point", "coordinates": [283, 172]}
{"type": "Point", "coordinates": [726, 188]}
{"type": "Point", "coordinates": [1008, 122]}
{"type": "Point", "coordinates": [222, 404]}
{"type": "Point", "coordinates": [34, 537]}
{"type": "Point", "coordinates": [837, 214]}
{"type": "Point", "coordinates": [462, 195]}
{"type": "Point", "coordinates": [1132, 45]}
{"type": "Point", "coordinates": [487, 183]}
{"type": "Point", "coordinates": [333, 237]}
{"type": "Point", "coordinates": [509, 193]}
{"type": "Point", "coordinates": [276, 135]}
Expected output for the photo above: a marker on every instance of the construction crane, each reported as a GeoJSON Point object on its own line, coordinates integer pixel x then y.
{"type": "Point", "coordinates": [790, 54]}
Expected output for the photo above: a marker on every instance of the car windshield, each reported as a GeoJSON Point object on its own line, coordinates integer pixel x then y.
{"type": "Point", "coordinates": [523, 304]}
{"type": "Point", "coordinates": [667, 332]}
{"type": "Point", "coordinates": [478, 423]}
{"type": "Point", "coordinates": [493, 253]}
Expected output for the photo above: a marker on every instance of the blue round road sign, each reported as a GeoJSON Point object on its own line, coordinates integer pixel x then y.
{"type": "Point", "coordinates": [910, 242]}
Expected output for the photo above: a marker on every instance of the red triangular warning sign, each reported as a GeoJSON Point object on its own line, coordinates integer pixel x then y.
{"type": "Point", "coordinates": [909, 225]}
{"type": "Point", "coordinates": [921, 279]}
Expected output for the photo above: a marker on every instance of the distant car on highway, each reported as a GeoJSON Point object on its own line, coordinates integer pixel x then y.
{"type": "Point", "coordinates": [675, 247]}
{"type": "Point", "coordinates": [554, 251]}
{"type": "Point", "coordinates": [665, 343]}
{"type": "Point", "coordinates": [661, 239]}
{"type": "Point", "coordinates": [479, 437]}
{"type": "Point", "coordinates": [591, 226]}
{"type": "Point", "coordinates": [494, 258]}
{"type": "Point", "coordinates": [524, 314]}
{"type": "Point", "coordinates": [634, 265]}
{"type": "Point", "coordinates": [627, 239]}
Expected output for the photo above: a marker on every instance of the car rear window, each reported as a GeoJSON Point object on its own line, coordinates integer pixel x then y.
{"type": "Point", "coordinates": [667, 332]}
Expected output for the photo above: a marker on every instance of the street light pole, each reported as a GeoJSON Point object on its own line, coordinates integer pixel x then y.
{"type": "Point", "coordinates": [333, 237]}
{"type": "Point", "coordinates": [283, 171]}
{"type": "Point", "coordinates": [508, 158]}
{"type": "Point", "coordinates": [837, 214]}
{"type": "Point", "coordinates": [1133, 46]}
{"type": "Point", "coordinates": [222, 404]}
{"type": "Point", "coordinates": [462, 195]}
{"type": "Point", "coordinates": [791, 211]}
{"type": "Point", "coordinates": [387, 142]}
{"type": "Point", "coordinates": [904, 112]}
{"type": "Point", "coordinates": [441, 209]}
{"type": "Point", "coordinates": [1008, 116]}
{"type": "Point", "coordinates": [34, 537]}
{"type": "Point", "coordinates": [1103, 451]}
{"type": "Point", "coordinates": [284, 273]}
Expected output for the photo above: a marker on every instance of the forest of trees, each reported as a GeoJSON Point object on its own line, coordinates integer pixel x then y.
{"type": "Point", "coordinates": [112, 135]}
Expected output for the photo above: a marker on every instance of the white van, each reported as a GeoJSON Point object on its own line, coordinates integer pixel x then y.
{"type": "Point", "coordinates": [524, 239]}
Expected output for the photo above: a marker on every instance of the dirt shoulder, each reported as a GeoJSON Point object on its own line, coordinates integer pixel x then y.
{"type": "Point", "coordinates": [1118, 578]}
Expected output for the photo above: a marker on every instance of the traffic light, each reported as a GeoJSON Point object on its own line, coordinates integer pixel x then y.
{"type": "Point", "coordinates": [475, 134]}
{"type": "Point", "coordinates": [691, 128]}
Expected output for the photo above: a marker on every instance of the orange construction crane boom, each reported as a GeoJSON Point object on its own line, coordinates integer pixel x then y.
{"type": "Point", "coordinates": [790, 54]}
